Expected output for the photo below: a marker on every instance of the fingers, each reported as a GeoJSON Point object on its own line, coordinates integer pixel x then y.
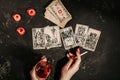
{"type": "Point", "coordinates": [70, 56]}
{"type": "Point", "coordinates": [32, 74]}
{"type": "Point", "coordinates": [77, 59]}
{"type": "Point", "coordinates": [68, 64]}
{"type": "Point", "coordinates": [48, 73]}
{"type": "Point", "coordinates": [78, 55]}
{"type": "Point", "coordinates": [43, 58]}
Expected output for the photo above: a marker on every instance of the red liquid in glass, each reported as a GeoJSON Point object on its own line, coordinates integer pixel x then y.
{"type": "Point", "coordinates": [42, 69]}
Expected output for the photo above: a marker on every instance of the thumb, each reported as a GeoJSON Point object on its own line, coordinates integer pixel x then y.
{"type": "Point", "coordinates": [33, 74]}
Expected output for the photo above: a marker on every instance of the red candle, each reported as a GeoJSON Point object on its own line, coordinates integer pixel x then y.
{"type": "Point", "coordinates": [31, 12]}
{"type": "Point", "coordinates": [16, 17]}
{"type": "Point", "coordinates": [20, 30]}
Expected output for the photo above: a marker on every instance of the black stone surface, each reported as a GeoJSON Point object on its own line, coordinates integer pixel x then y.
{"type": "Point", "coordinates": [17, 56]}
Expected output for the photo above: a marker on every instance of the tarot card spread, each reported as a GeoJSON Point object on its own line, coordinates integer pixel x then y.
{"type": "Point", "coordinates": [67, 37]}
{"type": "Point", "coordinates": [57, 13]}
{"type": "Point", "coordinates": [80, 34]}
{"type": "Point", "coordinates": [50, 37]}
{"type": "Point", "coordinates": [92, 39]}
{"type": "Point", "coordinates": [38, 38]}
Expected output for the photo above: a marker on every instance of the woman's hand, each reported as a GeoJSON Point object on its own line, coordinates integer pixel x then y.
{"type": "Point", "coordinates": [72, 66]}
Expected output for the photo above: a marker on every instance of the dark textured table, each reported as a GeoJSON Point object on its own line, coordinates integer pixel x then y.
{"type": "Point", "coordinates": [17, 55]}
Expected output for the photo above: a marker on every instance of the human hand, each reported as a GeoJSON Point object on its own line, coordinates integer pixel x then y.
{"type": "Point", "coordinates": [33, 74]}
{"type": "Point", "coordinates": [72, 66]}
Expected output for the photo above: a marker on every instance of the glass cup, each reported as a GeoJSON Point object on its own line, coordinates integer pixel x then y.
{"type": "Point", "coordinates": [43, 68]}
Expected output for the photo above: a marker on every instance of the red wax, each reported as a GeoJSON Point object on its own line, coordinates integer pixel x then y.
{"type": "Point", "coordinates": [16, 17]}
{"type": "Point", "coordinates": [31, 12]}
{"type": "Point", "coordinates": [20, 30]}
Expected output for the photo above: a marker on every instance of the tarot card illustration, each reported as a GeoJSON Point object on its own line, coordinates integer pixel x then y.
{"type": "Point", "coordinates": [80, 34]}
{"type": "Point", "coordinates": [67, 37]}
{"type": "Point", "coordinates": [92, 39]}
{"type": "Point", "coordinates": [56, 34]}
{"type": "Point", "coordinates": [38, 38]}
{"type": "Point", "coordinates": [52, 37]}
{"type": "Point", "coordinates": [48, 37]}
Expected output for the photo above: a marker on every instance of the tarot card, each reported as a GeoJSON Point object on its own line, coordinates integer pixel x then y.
{"type": "Point", "coordinates": [50, 17]}
{"type": "Point", "coordinates": [59, 12]}
{"type": "Point", "coordinates": [38, 38]}
{"type": "Point", "coordinates": [52, 37]}
{"type": "Point", "coordinates": [48, 37]}
{"type": "Point", "coordinates": [92, 39]}
{"type": "Point", "coordinates": [67, 37]}
{"type": "Point", "coordinates": [56, 33]}
{"type": "Point", "coordinates": [80, 34]}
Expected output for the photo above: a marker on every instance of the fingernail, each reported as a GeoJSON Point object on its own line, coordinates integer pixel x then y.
{"type": "Point", "coordinates": [70, 54]}
{"type": "Point", "coordinates": [44, 58]}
